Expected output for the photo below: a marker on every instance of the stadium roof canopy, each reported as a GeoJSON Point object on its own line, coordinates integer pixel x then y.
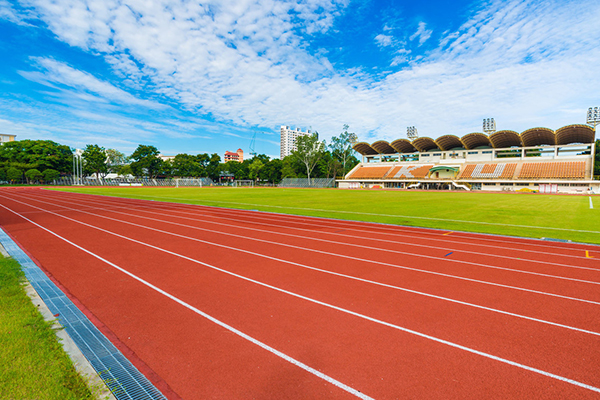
{"type": "Point", "coordinates": [475, 140]}
{"type": "Point", "coordinates": [449, 142]}
{"type": "Point", "coordinates": [383, 147]}
{"type": "Point", "coordinates": [538, 137]}
{"type": "Point", "coordinates": [364, 148]}
{"type": "Point", "coordinates": [502, 139]}
{"type": "Point", "coordinates": [575, 134]}
{"type": "Point", "coordinates": [424, 144]}
{"type": "Point", "coordinates": [403, 146]}
{"type": "Point", "coordinates": [569, 134]}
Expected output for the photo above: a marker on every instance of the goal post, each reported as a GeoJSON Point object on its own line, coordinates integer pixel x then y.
{"type": "Point", "coordinates": [243, 183]}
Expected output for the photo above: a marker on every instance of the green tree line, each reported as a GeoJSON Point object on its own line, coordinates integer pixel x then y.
{"type": "Point", "coordinates": [40, 161]}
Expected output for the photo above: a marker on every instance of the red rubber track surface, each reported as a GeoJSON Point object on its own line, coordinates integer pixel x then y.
{"type": "Point", "coordinates": [390, 312]}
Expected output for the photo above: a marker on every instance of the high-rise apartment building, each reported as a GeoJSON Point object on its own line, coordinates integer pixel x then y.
{"type": "Point", "coordinates": [288, 140]}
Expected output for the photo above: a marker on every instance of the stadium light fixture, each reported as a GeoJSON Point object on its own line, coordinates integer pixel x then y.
{"type": "Point", "coordinates": [411, 132]}
{"type": "Point", "coordinates": [593, 116]}
{"type": "Point", "coordinates": [78, 167]}
{"type": "Point", "coordinates": [489, 125]}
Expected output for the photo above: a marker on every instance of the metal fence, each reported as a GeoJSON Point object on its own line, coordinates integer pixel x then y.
{"type": "Point", "coordinates": [179, 182]}
{"type": "Point", "coordinates": [308, 183]}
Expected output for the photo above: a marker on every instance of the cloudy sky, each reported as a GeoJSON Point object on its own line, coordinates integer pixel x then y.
{"type": "Point", "coordinates": [195, 78]}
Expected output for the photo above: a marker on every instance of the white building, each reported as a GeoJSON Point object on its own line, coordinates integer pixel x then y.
{"type": "Point", "coordinates": [7, 138]}
{"type": "Point", "coordinates": [288, 140]}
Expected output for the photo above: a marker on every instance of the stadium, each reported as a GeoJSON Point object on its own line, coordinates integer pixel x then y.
{"type": "Point", "coordinates": [537, 159]}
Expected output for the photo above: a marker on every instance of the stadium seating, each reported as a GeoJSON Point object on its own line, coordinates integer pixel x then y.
{"type": "Point", "coordinates": [370, 173]}
{"type": "Point", "coordinates": [409, 171]}
{"type": "Point", "coordinates": [560, 170]}
{"type": "Point", "coordinates": [491, 171]}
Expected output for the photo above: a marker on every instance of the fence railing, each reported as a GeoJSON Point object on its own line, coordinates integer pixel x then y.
{"type": "Point", "coordinates": [176, 182]}
{"type": "Point", "coordinates": [306, 183]}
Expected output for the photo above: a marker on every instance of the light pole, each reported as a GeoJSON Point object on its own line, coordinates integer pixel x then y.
{"type": "Point", "coordinates": [489, 125]}
{"type": "Point", "coordinates": [77, 167]}
{"type": "Point", "coordinates": [593, 116]}
{"type": "Point", "coordinates": [411, 132]}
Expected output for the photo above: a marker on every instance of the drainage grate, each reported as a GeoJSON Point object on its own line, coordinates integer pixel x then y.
{"type": "Point", "coordinates": [122, 378]}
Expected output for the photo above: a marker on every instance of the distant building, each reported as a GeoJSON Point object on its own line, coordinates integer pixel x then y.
{"type": "Point", "coordinates": [166, 158]}
{"type": "Point", "coordinates": [230, 156]}
{"type": "Point", "coordinates": [288, 140]}
{"type": "Point", "coordinates": [7, 138]}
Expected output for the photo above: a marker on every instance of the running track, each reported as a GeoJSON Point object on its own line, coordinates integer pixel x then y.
{"type": "Point", "coordinates": [220, 303]}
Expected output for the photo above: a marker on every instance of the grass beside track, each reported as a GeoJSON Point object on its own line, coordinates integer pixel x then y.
{"type": "Point", "coordinates": [33, 364]}
{"type": "Point", "coordinates": [567, 217]}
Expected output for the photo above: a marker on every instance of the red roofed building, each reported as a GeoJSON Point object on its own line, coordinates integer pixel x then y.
{"type": "Point", "coordinates": [239, 156]}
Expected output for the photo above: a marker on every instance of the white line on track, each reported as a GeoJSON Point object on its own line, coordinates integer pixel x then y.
{"type": "Point", "coordinates": [320, 270]}
{"type": "Point", "coordinates": [307, 368]}
{"type": "Point", "coordinates": [379, 241]}
{"type": "Point", "coordinates": [591, 204]}
{"type": "Point", "coordinates": [382, 230]}
{"type": "Point", "coordinates": [380, 215]}
{"type": "Point", "coordinates": [330, 241]}
{"type": "Point", "coordinates": [209, 317]}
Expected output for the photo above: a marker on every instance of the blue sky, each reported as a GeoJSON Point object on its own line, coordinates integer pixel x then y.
{"type": "Point", "coordinates": [195, 78]}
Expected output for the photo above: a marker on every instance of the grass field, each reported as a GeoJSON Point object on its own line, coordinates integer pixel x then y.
{"type": "Point", "coordinates": [33, 363]}
{"type": "Point", "coordinates": [531, 215]}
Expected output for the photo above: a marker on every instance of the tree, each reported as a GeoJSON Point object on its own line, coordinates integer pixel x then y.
{"type": "Point", "coordinates": [255, 168]}
{"type": "Point", "coordinates": [14, 174]}
{"type": "Point", "coordinates": [51, 175]}
{"type": "Point", "coordinates": [33, 175]}
{"type": "Point", "coordinates": [597, 158]}
{"type": "Point", "coordinates": [94, 160]}
{"type": "Point", "coordinates": [212, 169]}
{"type": "Point", "coordinates": [146, 161]}
{"type": "Point", "coordinates": [116, 159]}
{"type": "Point", "coordinates": [272, 171]}
{"type": "Point", "coordinates": [185, 165]}
{"type": "Point", "coordinates": [341, 147]}
{"type": "Point", "coordinates": [310, 151]}
{"type": "Point", "coordinates": [329, 165]}
{"type": "Point", "coordinates": [36, 154]}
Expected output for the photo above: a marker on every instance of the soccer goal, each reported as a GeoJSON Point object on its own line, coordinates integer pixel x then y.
{"type": "Point", "coordinates": [243, 183]}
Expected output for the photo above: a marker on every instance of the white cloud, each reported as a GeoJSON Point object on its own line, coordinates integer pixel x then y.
{"type": "Point", "coordinates": [383, 40]}
{"type": "Point", "coordinates": [422, 33]}
{"type": "Point", "coordinates": [247, 62]}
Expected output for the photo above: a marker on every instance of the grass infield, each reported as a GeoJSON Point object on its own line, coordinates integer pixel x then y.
{"type": "Point", "coordinates": [33, 364]}
{"type": "Point", "coordinates": [567, 217]}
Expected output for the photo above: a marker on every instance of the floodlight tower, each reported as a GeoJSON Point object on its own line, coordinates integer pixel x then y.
{"type": "Point", "coordinates": [411, 132]}
{"type": "Point", "coordinates": [78, 167]}
{"type": "Point", "coordinates": [593, 116]}
{"type": "Point", "coordinates": [489, 125]}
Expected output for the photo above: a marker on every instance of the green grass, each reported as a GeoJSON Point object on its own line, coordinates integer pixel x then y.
{"type": "Point", "coordinates": [530, 215]}
{"type": "Point", "coordinates": [33, 364]}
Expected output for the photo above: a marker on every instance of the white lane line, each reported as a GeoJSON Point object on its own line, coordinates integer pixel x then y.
{"type": "Point", "coordinates": [207, 316]}
{"type": "Point", "coordinates": [389, 231]}
{"type": "Point", "coordinates": [293, 263]}
{"type": "Point", "coordinates": [365, 317]}
{"type": "Point", "coordinates": [372, 239]}
{"type": "Point", "coordinates": [333, 242]}
{"type": "Point", "coordinates": [379, 215]}
{"type": "Point", "coordinates": [323, 271]}
{"type": "Point", "coordinates": [591, 204]}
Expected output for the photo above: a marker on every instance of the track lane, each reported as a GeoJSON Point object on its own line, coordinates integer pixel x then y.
{"type": "Point", "coordinates": [574, 250]}
{"type": "Point", "coordinates": [387, 234]}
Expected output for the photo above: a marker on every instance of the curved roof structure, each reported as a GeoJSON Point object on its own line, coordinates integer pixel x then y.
{"type": "Point", "coordinates": [575, 134]}
{"type": "Point", "coordinates": [403, 146]}
{"type": "Point", "coordinates": [383, 147]}
{"type": "Point", "coordinates": [364, 149]}
{"type": "Point", "coordinates": [449, 142]}
{"type": "Point", "coordinates": [503, 139]}
{"type": "Point", "coordinates": [424, 144]}
{"type": "Point", "coordinates": [569, 134]}
{"type": "Point", "coordinates": [476, 139]}
{"type": "Point", "coordinates": [538, 137]}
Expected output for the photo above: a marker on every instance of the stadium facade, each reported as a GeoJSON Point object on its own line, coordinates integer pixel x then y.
{"type": "Point", "coordinates": [538, 159]}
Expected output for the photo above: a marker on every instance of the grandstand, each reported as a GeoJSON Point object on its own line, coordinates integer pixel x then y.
{"type": "Point", "coordinates": [504, 160]}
